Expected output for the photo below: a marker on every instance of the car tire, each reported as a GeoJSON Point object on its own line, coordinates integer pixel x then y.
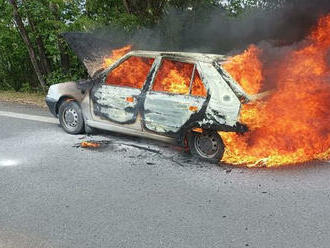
{"type": "Point", "coordinates": [207, 146]}
{"type": "Point", "coordinates": [71, 117]}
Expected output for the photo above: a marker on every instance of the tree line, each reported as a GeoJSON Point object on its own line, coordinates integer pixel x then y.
{"type": "Point", "coordinates": [33, 54]}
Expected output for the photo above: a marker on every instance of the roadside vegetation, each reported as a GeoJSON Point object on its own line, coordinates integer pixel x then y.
{"type": "Point", "coordinates": [33, 98]}
{"type": "Point", "coordinates": [33, 55]}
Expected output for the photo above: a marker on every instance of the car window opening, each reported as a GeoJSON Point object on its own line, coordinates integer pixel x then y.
{"type": "Point", "coordinates": [173, 77]}
{"type": "Point", "coordinates": [131, 73]}
{"type": "Point", "coordinates": [178, 78]}
{"type": "Point", "coordinates": [198, 88]}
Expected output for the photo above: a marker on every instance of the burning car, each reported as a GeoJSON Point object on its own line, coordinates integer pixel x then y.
{"type": "Point", "coordinates": [186, 98]}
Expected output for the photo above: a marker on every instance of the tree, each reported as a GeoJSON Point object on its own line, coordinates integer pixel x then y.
{"type": "Point", "coordinates": [45, 65]}
{"type": "Point", "coordinates": [27, 41]}
{"type": "Point", "coordinates": [149, 10]}
{"type": "Point", "coordinates": [32, 29]}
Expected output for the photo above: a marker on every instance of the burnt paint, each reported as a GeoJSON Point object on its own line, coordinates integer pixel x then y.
{"type": "Point", "coordinates": [140, 98]}
{"type": "Point", "coordinates": [115, 108]}
{"type": "Point", "coordinates": [167, 113]}
{"type": "Point", "coordinates": [195, 120]}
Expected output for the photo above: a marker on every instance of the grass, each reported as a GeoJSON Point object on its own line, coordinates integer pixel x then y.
{"type": "Point", "coordinates": [37, 99]}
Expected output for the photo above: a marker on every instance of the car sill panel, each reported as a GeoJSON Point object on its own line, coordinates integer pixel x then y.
{"type": "Point", "coordinates": [129, 131]}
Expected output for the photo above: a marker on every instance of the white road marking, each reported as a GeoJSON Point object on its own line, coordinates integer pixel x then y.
{"type": "Point", "coordinates": [29, 117]}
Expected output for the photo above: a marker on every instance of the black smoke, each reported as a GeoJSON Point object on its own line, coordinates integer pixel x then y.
{"type": "Point", "coordinates": [210, 29]}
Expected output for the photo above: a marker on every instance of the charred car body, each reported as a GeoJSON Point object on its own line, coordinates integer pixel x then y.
{"type": "Point", "coordinates": [169, 96]}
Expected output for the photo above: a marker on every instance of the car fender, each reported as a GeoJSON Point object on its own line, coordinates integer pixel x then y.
{"type": "Point", "coordinates": [58, 92]}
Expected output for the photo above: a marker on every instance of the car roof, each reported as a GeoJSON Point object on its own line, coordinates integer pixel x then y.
{"type": "Point", "coordinates": [203, 57]}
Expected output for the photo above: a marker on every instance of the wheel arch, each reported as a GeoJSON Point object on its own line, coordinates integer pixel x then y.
{"type": "Point", "coordinates": [63, 99]}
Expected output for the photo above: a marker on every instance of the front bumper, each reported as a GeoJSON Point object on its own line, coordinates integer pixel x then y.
{"type": "Point", "coordinates": [51, 103]}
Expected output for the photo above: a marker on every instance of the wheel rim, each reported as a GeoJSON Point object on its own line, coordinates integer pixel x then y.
{"type": "Point", "coordinates": [206, 145]}
{"type": "Point", "coordinates": [70, 118]}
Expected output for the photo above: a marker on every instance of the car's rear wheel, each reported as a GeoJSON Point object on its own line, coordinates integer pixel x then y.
{"type": "Point", "coordinates": [71, 118]}
{"type": "Point", "coordinates": [207, 146]}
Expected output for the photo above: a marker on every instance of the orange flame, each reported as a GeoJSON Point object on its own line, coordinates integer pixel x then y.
{"type": "Point", "coordinates": [86, 144]}
{"type": "Point", "coordinates": [292, 125]}
{"type": "Point", "coordinates": [247, 68]}
{"type": "Point", "coordinates": [175, 77]}
{"type": "Point", "coordinates": [172, 77]}
{"type": "Point", "coordinates": [131, 73]}
{"type": "Point", "coordinates": [115, 55]}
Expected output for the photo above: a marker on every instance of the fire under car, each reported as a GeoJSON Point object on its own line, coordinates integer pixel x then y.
{"type": "Point", "coordinates": [185, 98]}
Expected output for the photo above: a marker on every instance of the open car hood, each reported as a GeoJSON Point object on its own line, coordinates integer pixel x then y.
{"type": "Point", "coordinates": [90, 49]}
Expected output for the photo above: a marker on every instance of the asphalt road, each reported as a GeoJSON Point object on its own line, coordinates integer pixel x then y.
{"type": "Point", "coordinates": [140, 193]}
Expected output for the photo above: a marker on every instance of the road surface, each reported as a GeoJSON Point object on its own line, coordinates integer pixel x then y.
{"type": "Point", "coordinates": [140, 193]}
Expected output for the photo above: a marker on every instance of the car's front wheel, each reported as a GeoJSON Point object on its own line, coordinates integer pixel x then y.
{"type": "Point", "coordinates": [207, 146]}
{"type": "Point", "coordinates": [71, 118]}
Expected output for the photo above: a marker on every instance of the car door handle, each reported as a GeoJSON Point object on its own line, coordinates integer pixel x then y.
{"type": "Point", "coordinates": [130, 99]}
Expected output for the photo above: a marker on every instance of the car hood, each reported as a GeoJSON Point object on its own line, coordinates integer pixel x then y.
{"type": "Point", "coordinates": [90, 49]}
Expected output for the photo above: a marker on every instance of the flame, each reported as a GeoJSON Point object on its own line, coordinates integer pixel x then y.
{"type": "Point", "coordinates": [175, 77]}
{"type": "Point", "coordinates": [131, 73]}
{"type": "Point", "coordinates": [292, 124]}
{"type": "Point", "coordinates": [115, 55]}
{"type": "Point", "coordinates": [86, 144]}
{"type": "Point", "coordinates": [197, 88]}
{"type": "Point", "coordinates": [172, 77]}
{"type": "Point", "coordinates": [247, 68]}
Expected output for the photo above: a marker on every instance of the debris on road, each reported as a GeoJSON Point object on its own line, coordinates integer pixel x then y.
{"type": "Point", "coordinates": [143, 148]}
{"type": "Point", "coordinates": [92, 144]}
{"type": "Point", "coordinates": [86, 144]}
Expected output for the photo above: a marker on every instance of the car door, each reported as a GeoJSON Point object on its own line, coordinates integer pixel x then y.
{"type": "Point", "coordinates": [117, 98]}
{"type": "Point", "coordinates": [177, 92]}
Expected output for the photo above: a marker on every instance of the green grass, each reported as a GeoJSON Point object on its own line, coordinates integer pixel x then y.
{"type": "Point", "coordinates": [37, 99]}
